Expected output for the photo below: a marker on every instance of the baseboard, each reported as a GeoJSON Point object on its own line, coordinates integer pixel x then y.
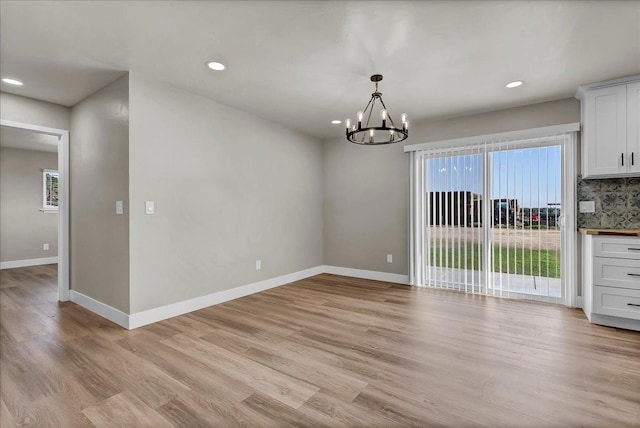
{"type": "Point", "coordinates": [609, 321]}
{"type": "Point", "coordinates": [28, 262]}
{"type": "Point", "coordinates": [102, 309]}
{"type": "Point", "coordinates": [368, 274]}
{"type": "Point", "coordinates": [150, 316]}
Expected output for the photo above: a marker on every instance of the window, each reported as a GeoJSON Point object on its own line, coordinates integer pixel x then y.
{"type": "Point", "coordinates": [49, 190]}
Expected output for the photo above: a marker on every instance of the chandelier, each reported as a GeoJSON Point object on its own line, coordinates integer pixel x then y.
{"type": "Point", "coordinates": [387, 133]}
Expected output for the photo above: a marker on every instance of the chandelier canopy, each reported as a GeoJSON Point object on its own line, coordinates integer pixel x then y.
{"type": "Point", "coordinates": [367, 133]}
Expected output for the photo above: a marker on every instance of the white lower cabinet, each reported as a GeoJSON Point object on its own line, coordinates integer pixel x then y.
{"type": "Point", "coordinates": [611, 280]}
{"type": "Point", "coordinates": [616, 302]}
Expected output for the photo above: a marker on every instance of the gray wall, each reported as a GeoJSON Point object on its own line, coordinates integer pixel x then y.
{"type": "Point", "coordinates": [34, 112]}
{"type": "Point", "coordinates": [99, 152]}
{"type": "Point", "coordinates": [366, 188]}
{"type": "Point", "coordinates": [229, 188]}
{"type": "Point", "coordinates": [23, 226]}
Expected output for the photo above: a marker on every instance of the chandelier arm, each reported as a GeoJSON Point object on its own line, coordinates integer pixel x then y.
{"type": "Point", "coordinates": [365, 109]}
{"type": "Point", "coordinates": [373, 99]}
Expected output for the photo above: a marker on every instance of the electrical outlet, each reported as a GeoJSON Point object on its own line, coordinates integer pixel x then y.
{"type": "Point", "coordinates": [45, 247]}
{"type": "Point", "coordinates": [119, 208]}
{"type": "Point", "coordinates": [258, 264]}
{"type": "Point", "coordinates": [149, 207]}
{"type": "Point", "coordinates": [389, 258]}
{"type": "Point", "coordinates": [587, 207]}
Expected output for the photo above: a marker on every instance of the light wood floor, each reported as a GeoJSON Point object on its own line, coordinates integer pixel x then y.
{"type": "Point", "coordinates": [326, 351]}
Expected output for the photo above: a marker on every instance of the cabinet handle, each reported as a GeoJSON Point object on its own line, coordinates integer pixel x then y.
{"type": "Point", "coordinates": [633, 274]}
{"type": "Point", "coordinates": [633, 249]}
{"type": "Point", "coordinates": [631, 158]}
{"type": "Point", "coordinates": [622, 158]}
{"type": "Point", "coordinates": [633, 304]}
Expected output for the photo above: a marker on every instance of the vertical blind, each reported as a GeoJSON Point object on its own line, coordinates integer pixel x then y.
{"type": "Point", "coordinates": [489, 217]}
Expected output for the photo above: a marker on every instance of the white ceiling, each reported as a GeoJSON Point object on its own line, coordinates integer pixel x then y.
{"type": "Point", "coordinates": [27, 140]}
{"type": "Point", "coordinates": [304, 63]}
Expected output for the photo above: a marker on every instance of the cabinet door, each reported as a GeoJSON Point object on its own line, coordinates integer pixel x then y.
{"type": "Point", "coordinates": [633, 127]}
{"type": "Point", "coordinates": [605, 132]}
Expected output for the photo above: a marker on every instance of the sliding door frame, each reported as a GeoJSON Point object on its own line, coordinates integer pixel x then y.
{"type": "Point", "coordinates": [567, 219]}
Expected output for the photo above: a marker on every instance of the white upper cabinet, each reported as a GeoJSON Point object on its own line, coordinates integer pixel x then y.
{"type": "Point", "coordinates": [610, 128]}
{"type": "Point", "coordinates": [633, 127]}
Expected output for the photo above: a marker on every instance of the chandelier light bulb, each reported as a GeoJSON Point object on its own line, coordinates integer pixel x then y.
{"type": "Point", "coordinates": [383, 114]}
{"type": "Point", "coordinates": [405, 123]}
{"type": "Point", "coordinates": [372, 134]}
{"type": "Point", "coordinates": [360, 116]}
{"type": "Point", "coordinates": [348, 123]}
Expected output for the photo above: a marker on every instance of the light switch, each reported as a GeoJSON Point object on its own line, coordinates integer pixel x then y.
{"type": "Point", "coordinates": [258, 264]}
{"type": "Point", "coordinates": [587, 207]}
{"type": "Point", "coordinates": [389, 258]}
{"type": "Point", "coordinates": [119, 207]}
{"type": "Point", "coordinates": [45, 247]}
{"type": "Point", "coordinates": [149, 207]}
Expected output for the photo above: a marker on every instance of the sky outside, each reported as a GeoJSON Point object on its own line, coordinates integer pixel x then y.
{"type": "Point", "coordinates": [532, 175]}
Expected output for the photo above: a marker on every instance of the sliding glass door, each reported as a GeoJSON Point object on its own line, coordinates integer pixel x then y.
{"type": "Point", "coordinates": [525, 237]}
{"type": "Point", "coordinates": [488, 218]}
{"type": "Point", "coordinates": [453, 240]}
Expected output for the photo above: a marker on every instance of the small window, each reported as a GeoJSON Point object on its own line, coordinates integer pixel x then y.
{"type": "Point", "coordinates": [49, 190]}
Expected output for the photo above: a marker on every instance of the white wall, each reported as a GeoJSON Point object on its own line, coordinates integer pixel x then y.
{"type": "Point", "coordinates": [229, 188]}
{"type": "Point", "coordinates": [34, 112]}
{"type": "Point", "coordinates": [99, 152]}
{"type": "Point", "coordinates": [24, 228]}
{"type": "Point", "coordinates": [366, 189]}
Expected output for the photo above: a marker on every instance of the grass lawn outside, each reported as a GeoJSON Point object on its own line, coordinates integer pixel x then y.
{"type": "Point", "coordinates": [542, 263]}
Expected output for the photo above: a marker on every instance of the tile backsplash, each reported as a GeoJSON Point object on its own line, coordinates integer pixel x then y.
{"type": "Point", "coordinates": [617, 203]}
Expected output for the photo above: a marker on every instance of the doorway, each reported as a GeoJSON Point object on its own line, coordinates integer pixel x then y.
{"type": "Point", "coordinates": [54, 191]}
{"type": "Point", "coordinates": [491, 218]}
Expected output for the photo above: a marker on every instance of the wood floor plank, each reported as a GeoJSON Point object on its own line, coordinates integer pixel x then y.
{"type": "Point", "coordinates": [279, 413]}
{"type": "Point", "coordinates": [6, 418]}
{"type": "Point", "coordinates": [146, 381]}
{"type": "Point", "coordinates": [277, 385]}
{"type": "Point", "coordinates": [325, 351]}
{"type": "Point", "coordinates": [125, 410]}
{"type": "Point", "coordinates": [59, 410]}
{"type": "Point", "coordinates": [181, 414]}
{"type": "Point", "coordinates": [314, 372]}
{"type": "Point", "coordinates": [335, 412]}
{"type": "Point", "coordinates": [189, 371]}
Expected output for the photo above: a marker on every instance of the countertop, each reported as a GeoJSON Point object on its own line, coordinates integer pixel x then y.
{"type": "Point", "coordinates": [618, 232]}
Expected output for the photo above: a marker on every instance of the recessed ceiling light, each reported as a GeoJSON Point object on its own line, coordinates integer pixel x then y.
{"type": "Point", "coordinates": [217, 66]}
{"type": "Point", "coordinates": [514, 84]}
{"type": "Point", "coordinates": [12, 81]}
{"type": "Point", "coordinates": [336, 122]}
